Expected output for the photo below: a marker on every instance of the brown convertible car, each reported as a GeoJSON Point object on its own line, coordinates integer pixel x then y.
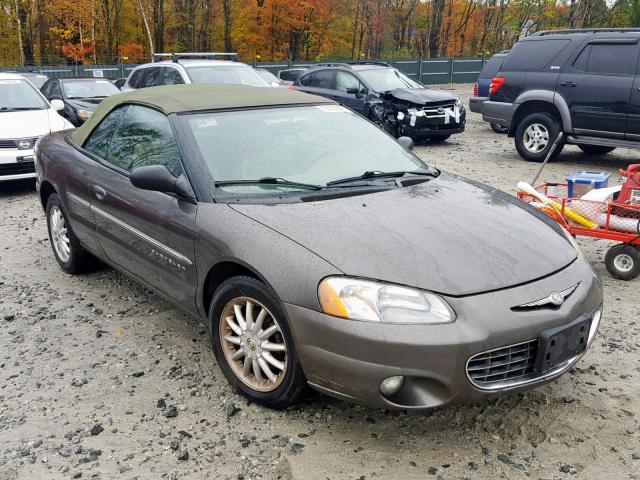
{"type": "Point", "coordinates": [318, 249]}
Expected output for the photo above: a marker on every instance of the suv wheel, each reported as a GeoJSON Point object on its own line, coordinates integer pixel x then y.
{"type": "Point", "coordinates": [535, 136]}
{"type": "Point", "coordinates": [595, 149]}
{"type": "Point", "coordinates": [253, 344]}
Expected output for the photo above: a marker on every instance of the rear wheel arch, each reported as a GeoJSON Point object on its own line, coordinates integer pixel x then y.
{"type": "Point", "coordinates": [537, 106]}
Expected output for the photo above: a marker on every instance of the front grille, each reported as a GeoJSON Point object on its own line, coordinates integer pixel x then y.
{"type": "Point", "coordinates": [17, 168]}
{"type": "Point", "coordinates": [502, 365]}
{"type": "Point", "coordinates": [432, 108]}
{"type": "Point", "coordinates": [12, 143]}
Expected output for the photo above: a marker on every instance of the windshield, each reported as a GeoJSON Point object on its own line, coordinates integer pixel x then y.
{"type": "Point", "coordinates": [385, 79]}
{"type": "Point", "coordinates": [20, 95]}
{"type": "Point", "coordinates": [312, 145]}
{"type": "Point", "coordinates": [233, 74]}
{"type": "Point", "coordinates": [268, 76]}
{"type": "Point", "coordinates": [88, 89]}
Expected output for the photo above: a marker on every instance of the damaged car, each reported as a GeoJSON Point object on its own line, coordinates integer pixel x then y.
{"type": "Point", "coordinates": [396, 103]}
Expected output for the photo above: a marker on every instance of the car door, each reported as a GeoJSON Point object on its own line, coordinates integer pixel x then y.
{"type": "Point", "coordinates": [148, 234]}
{"type": "Point", "coordinates": [349, 91]}
{"type": "Point", "coordinates": [597, 86]}
{"type": "Point", "coordinates": [319, 82]}
{"type": "Point", "coordinates": [633, 118]}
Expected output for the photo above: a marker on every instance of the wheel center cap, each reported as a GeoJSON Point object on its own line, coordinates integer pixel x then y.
{"type": "Point", "coordinates": [251, 344]}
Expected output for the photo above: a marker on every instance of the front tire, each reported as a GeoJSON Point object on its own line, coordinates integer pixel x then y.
{"type": "Point", "coordinates": [623, 261]}
{"type": "Point", "coordinates": [69, 253]}
{"type": "Point", "coordinates": [253, 344]}
{"type": "Point", "coordinates": [535, 136]}
{"type": "Point", "coordinates": [596, 149]}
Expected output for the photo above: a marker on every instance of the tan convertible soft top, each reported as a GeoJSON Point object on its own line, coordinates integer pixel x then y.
{"type": "Point", "coordinates": [195, 97]}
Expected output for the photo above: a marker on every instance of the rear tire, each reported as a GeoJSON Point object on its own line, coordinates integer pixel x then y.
{"type": "Point", "coordinates": [265, 369]}
{"type": "Point", "coordinates": [535, 135]}
{"type": "Point", "coordinates": [596, 149]}
{"type": "Point", "coordinates": [496, 127]}
{"type": "Point", "coordinates": [69, 253]}
{"type": "Point", "coordinates": [623, 261]}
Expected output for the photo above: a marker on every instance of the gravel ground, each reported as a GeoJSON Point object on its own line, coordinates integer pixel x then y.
{"type": "Point", "coordinates": [99, 378]}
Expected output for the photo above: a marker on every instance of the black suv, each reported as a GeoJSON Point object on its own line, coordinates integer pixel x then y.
{"type": "Point", "coordinates": [583, 82]}
{"type": "Point", "coordinates": [389, 98]}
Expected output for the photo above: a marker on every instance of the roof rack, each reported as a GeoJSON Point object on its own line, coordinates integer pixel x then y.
{"type": "Point", "coordinates": [330, 64]}
{"type": "Point", "coordinates": [369, 62]}
{"type": "Point", "coordinates": [177, 56]}
{"type": "Point", "coordinates": [584, 30]}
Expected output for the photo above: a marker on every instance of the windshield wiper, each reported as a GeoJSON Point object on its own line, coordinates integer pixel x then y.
{"type": "Point", "coordinates": [368, 175]}
{"type": "Point", "coordinates": [16, 109]}
{"type": "Point", "coordinates": [269, 181]}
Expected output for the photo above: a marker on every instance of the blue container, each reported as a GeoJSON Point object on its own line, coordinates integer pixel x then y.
{"type": "Point", "coordinates": [580, 182]}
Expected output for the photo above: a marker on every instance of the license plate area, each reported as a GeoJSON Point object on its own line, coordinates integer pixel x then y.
{"type": "Point", "coordinates": [562, 343]}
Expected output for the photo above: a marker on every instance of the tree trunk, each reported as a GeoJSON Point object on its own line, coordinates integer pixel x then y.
{"type": "Point", "coordinates": [157, 15]}
{"type": "Point", "coordinates": [42, 31]}
{"type": "Point", "coordinates": [228, 23]}
{"type": "Point", "coordinates": [437, 11]}
{"type": "Point", "coordinates": [146, 28]}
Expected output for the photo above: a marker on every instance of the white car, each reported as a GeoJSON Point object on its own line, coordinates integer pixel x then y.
{"type": "Point", "coordinates": [25, 116]}
{"type": "Point", "coordinates": [188, 68]}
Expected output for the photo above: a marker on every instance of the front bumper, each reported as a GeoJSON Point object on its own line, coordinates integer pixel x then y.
{"type": "Point", "coordinates": [433, 126]}
{"type": "Point", "coordinates": [475, 104]}
{"type": "Point", "coordinates": [349, 359]}
{"type": "Point", "coordinates": [16, 164]}
{"type": "Point", "coordinates": [498, 112]}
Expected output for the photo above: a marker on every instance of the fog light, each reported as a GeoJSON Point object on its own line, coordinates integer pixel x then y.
{"type": "Point", "coordinates": [391, 385]}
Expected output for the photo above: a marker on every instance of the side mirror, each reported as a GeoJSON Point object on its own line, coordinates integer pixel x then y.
{"type": "Point", "coordinates": [57, 104]}
{"type": "Point", "coordinates": [158, 178]}
{"type": "Point", "coordinates": [353, 91]}
{"type": "Point", "coordinates": [406, 142]}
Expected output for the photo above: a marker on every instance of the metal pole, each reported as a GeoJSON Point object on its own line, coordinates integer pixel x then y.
{"type": "Point", "coordinates": [453, 61]}
{"type": "Point", "coordinates": [420, 70]}
{"type": "Point", "coordinates": [546, 159]}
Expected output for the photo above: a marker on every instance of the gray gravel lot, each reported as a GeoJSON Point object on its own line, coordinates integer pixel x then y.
{"type": "Point", "coordinates": [99, 378]}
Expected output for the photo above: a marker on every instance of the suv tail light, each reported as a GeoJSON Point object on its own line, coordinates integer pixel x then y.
{"type": "Point", "coordinates": [475, 89]}
{"type": "Point", "coordinates": [496, 83]}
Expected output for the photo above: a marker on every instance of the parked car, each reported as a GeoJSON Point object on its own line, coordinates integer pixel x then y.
{"type": "Point", "coordinates": [269, 77]}
{"type": "Point", "coordinates": [481, 87]}
{"type": "Point", "coordinates": [119, 82]}
{"type": "Point", "coordinates": [80, 96]}
{"type": "Point", "coordinates": [37, 79]}
{"type": "Point", "coordinates": [25, 116]}
{"type": "Point", "coordinates": [185, 68]}
{"type": "Point", "coordinates": [389, 98]}
{"type": "Point", "coordinates": [581, 82]}
{"type": "Point", "coordinates": [318, 250]}
{"type": "Point", "coordinates": [290, 75]}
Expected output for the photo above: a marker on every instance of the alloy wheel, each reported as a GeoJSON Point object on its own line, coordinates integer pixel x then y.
{"type": "Point", "coordinates": [253, 344]}
{"type": "Point", "coordinates": [536, 138]}
{"type": "Point", "coordinates": [59, 234]}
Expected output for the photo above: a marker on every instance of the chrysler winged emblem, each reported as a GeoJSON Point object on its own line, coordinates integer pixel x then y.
{"type": "Point", "coordinates": [554, 298]}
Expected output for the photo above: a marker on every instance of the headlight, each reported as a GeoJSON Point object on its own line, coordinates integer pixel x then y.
{"type": "Point", "coordinates": [84, 114]}
{"type": "Point", "coordinates": [370, 301]}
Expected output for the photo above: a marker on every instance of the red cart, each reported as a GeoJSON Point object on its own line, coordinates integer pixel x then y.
{"type": "Point", "coordinates": [617, 220]}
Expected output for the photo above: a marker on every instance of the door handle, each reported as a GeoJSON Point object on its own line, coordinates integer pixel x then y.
{"type": "Point", "coordinates": [99, 192]}
{"type": "Point", "coordinates": [568, 84]}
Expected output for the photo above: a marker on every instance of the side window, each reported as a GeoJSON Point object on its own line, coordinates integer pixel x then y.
{"type": "Point", "coordinates": [46, 89]}
{"type": "Point", "coordinates": [346, 81]}
{"type": "Point", "coordinates": [150, 77]}
{"type": "Point", "coordinates": [54, 90]}
{"type": "Point", "coordinates": [99, 140]}
{"type": "Point", "coordinates": [582, 61]}
{"type": "Point", "coordinates": [144, 137]}
{"type": "Point", "coordinates": [319, 79]}
{"type": "Point", "coordinates": [612, 59]}
{"type": "Point", "coordinates": [135, 78]}
{"type": "Point", "coordinates": [171, 76]}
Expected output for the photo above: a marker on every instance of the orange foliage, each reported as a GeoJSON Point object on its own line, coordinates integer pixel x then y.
{"type": "Point", "coordinates": [131, 53]}
{"type": "Point", "coordinates": [76, 52]}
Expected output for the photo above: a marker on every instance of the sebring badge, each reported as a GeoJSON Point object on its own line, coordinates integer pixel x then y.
{"type": "Point", "coordinates": [554, 298]}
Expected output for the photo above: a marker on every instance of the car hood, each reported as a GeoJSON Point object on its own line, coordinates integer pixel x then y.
{"type": "Point", "coordinates": [447, 235]}
{"type": "Point", "coordinates": [85, 103]}
{"type": "Point", "coordinates": [419, 96]}
{"type": "Point", "coordinates": [28, 123]}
